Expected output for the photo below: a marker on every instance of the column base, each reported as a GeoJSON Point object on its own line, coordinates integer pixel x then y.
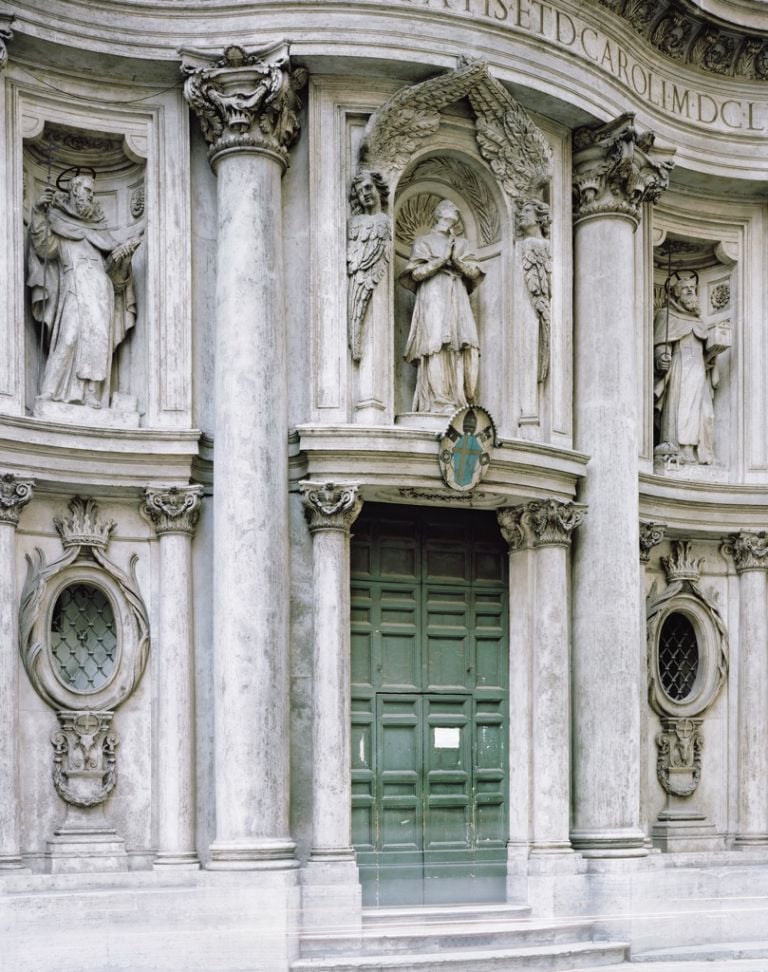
{"type": "Point", "coordinates": [741, 841]}
{"type": "Point", "coordinates": [179, 862]}
{"type": "Point", "coordinates": [71, 853]}
{"type": "Point", "coordinates": [551, 847]}
{"type": "Point", "coordinates": [610, 844]}
{"type": "Point", "coordinates": [252, 855]}
{"type": "Point", "coordinates": [12, 862]}
{"type": "Point", "coordinates": [331, 899]}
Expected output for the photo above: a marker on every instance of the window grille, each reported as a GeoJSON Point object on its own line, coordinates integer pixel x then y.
{"type": "Point", "coordinates": [678, 657]}
{"type": "Point", "coordinates": [83, 637]}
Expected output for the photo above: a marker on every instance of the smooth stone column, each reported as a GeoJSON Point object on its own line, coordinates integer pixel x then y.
{"type": "Point", "coordinates": [551, 524]}
{"type": "Point", "coordinates": [174, 513]}
{"type": "Point", "coordinates": [750, 554]}
{"type": "Point", "coordinates": [613, 176]}
{"type": "Point", "coordinates": [15, 493]}
{"type": "Point", "coordinates": [248, 109]}
{"type": "Point", "coordinates": [331, 509]}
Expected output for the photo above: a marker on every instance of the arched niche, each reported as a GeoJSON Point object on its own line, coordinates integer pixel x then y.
{"type": "Point", "coordinates": [486, 223]}
{"type": "Point", "coordinates": [52, 155]}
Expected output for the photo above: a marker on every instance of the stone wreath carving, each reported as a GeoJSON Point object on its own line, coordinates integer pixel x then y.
{"type": "Point", "coordinates": [84, 641]}
{"type": "Point", "coordinates": [681, 740]}
{"type": "Point", "coordinates": [516, 151]}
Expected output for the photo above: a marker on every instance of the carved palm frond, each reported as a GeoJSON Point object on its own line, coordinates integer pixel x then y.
{"type": "Point", "coordinates": [412, 114]}
{"type": "Point", "coordinates": [517, 152]}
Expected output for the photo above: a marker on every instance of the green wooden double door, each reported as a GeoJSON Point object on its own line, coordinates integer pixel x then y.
{"type": "Point", "coordinates": [429, 705]}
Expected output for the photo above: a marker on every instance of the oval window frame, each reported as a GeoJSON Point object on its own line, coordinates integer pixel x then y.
{"type": "Point", "coordinates": [55, 595]}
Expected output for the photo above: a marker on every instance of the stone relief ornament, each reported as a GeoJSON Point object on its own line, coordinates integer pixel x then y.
{"type": "Point", "coordinates": [443, 341]}
{"type": "Point", "coordinates": [85, 758]}
{"type": "Point", "coordinates": [173, 510]}
{"type": "Point", "coordinates": [245, 99]}
{"type": "Point", "coordinates": [533, 223]}
{"type": "Point", "coordinates": [81, 286]}
{"type": "Point", "coordinates": [510, 520]}
{"type": "Point", "coordinates": [678, 762]}
{"type": "Point", "coordinates": [137, 202]}
{"type": "Point", "coordinates": [465, 448]}
{"type": "Point", "coordinates": [84, 642]}
{"type": "Point", "coordinates": [464, 180]}
{"type": "Point", "coordinates": [686, 373]}
{"type": "Point", "coordinates": [672, 34]}
{"type": "Point", "coordinates": [15, 493]}
{"type": "Point", "coordinates": [369, 235]}
{"type": "Point", "coordinates": [720, 297]}
{"type": "Point", "coordinates": [5, 35]}
{"type": "Point", "coordinates": [616, 169]}
{"type": "Point", "coordinates": [330, 506]}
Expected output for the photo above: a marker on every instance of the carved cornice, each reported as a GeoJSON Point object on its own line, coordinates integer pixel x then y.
{"type": "Point", "coordinates": [14, 494]}
{"type": "Point", "coordinates": [245, 100]}
{"type": "Point", "coordinates": [616, 169]}
{"type": "Point", "coordinates": [330, 506]}
{"type": "Point", "coordinates": [5, 35]}
{"type": "Point", "coordinates": [540, 523]}
{"type": "Point", "coordinates": [174, 510]}
{"type": "Point", "coordinates": [681, 564]}
{"type": "Point", "coordinates": [749, 550]}
{"type": "Point", "coordinates": [82, 528]}
{"type": "Point", "coordinates": [679, 31]}
{"type": "Point", "coordinates": [651, 535]}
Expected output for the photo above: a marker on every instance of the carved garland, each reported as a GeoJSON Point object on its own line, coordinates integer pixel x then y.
{"type": "Point", "coordinates": [85, 769]}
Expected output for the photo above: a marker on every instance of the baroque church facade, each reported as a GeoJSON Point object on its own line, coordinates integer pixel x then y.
{"type": "Point", "coordinates": [383, 484]}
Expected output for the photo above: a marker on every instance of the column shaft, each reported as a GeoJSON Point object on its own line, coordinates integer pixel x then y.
{"type": "Point", "coordinates": [251, 517]}
{"type": "Point", "coordinates": [753, 708]}
{"type": "Point", "coordinates": [551, 703]}
{"type": "Point", "coordinates": [176, 842]}
{"type": "Point", "coordinates": [10, 803]}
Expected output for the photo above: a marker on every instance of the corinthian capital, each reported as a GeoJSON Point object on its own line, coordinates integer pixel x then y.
{"type": "Point", "coordinates": [14, 494]}
{"type": "Point", "coordinates": [510, 520]}
{"type": "Point", "coordinates": [174, 510]}
{"type": "Point", "coordinates": [651, 535]}
{"type": "Point", "coordinates": [749, 550]}
{"type": "Point", "coordinates": [552, 523]}
{"type": "Point", "coordinates": [616, 169]}
{"type": "Point", "coordinates": [330, 506]}
{"type": "Point", "coordinates": [245, 100]}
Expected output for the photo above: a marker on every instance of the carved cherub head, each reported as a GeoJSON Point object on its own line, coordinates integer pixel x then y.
{"type": "Point", "coordinates": [368, 193]}
{"type": "Point", "coordinates": [533, 218]}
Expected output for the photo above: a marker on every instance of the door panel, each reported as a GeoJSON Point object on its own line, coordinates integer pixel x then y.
{"type": "Point", "coordinates": [429, 696]}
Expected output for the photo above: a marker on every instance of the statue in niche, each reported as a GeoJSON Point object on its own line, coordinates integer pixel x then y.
{"type": "Point", "coordinates": [533, 224]}
{"type": "Point", "coordinates": [368, 237]}
{"type": "Point", "coordinates": [443, 341]}
{"type": "Point", "coordinates": [82, 290]}
{"type": "Point", "coordinates": [685, 362]}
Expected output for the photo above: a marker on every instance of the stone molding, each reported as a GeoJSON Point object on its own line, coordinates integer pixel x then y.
{"type": "Point", "coordinates": [15, 493]}
{"type": "Point", "coordinates": [749, 550]}
{"type": "Point", "coordinates": [651, 535]}
{"type": "Point", "coordinates": [173, 510]}
{"type": "Point", "coordinates": [540, 523]}
{"type": "Point", "coordinates": [246, 101]}
{"type": "Point", "coordinates": [690, 37]}
{"type": "Point", "coordinates": [330, 506]}
{"type": "Point", "coordinates": [681, 565]}
{"type": "Point", "coordinates": [616, 169]}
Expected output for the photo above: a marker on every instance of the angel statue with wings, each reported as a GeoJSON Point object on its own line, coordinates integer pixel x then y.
{"type": "Point", "coordinates": [368, 237]}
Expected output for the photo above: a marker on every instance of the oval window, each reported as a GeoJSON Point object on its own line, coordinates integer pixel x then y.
{"type": "Point", "coordinates": [678, 657]}
{"type": "Point", "coordinates": [83, 637]}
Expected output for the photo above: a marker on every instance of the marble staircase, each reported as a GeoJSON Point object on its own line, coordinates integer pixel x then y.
{"type": "Point", "coordinates": [458, 939]}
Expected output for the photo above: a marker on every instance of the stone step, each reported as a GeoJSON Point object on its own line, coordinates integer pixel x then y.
{"type": "Point", "coordinates": [545, 958]}
{"type": "Point", "coordinates": [720, 951]}
{"type": "Point", "coordinates": [724, 965]}
{"type": "Point", "coordinates": [476, 933]}
{"type": "Point", "coordinates": [439, 914]}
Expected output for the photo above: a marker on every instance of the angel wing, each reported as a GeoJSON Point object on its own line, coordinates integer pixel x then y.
{"type": "Point", "coordinates": [515, 149]}
{"type": "Point", "coordinates": [413, 113]}
{"type": "Point", "coordinates": [537, 273]}
{"type": "Point", "coordinates": [368, 240]}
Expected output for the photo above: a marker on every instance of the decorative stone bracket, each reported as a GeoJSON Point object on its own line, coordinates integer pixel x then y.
{"type": "Point", "coordinates": [85, 760]}
{"type": "Point", "coordinates": [678, 764]}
